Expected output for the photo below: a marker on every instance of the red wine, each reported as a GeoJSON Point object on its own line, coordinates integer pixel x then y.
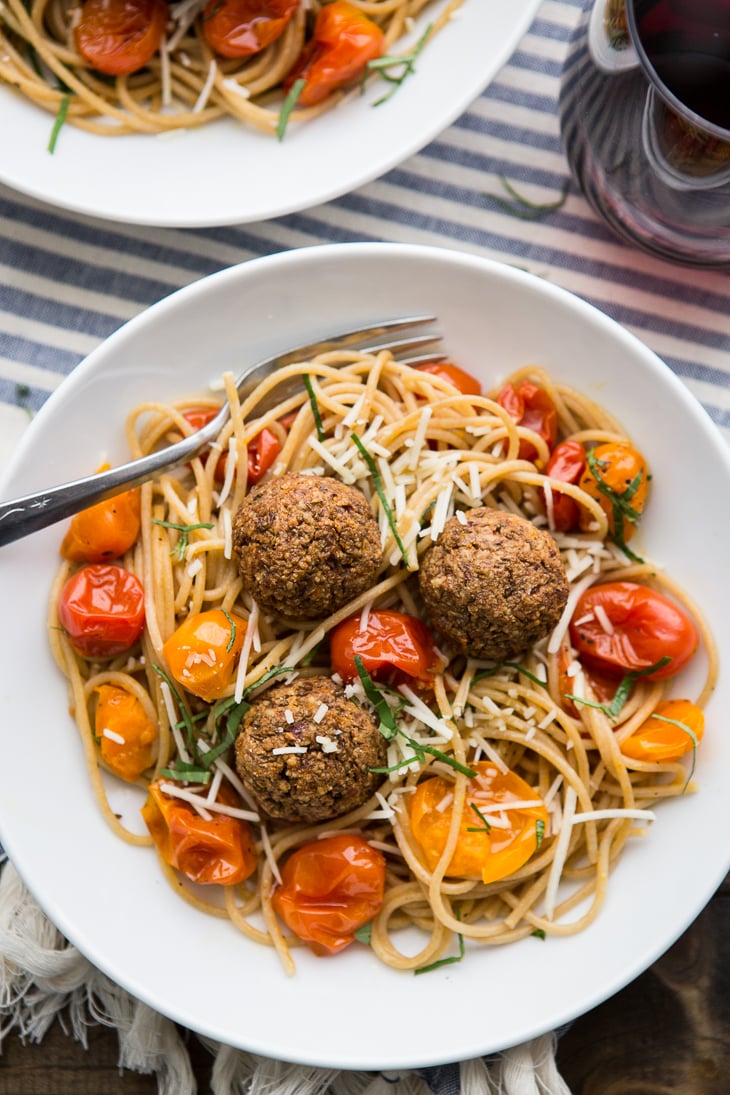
{"type": "Point", "coordinates": [700, 81]}
{"type": "Point", "coordinates": [687, 42]}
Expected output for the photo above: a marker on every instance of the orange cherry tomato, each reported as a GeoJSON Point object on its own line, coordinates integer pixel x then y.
{"type": "Point", "coordinates": [463, 382]}
{"type": "Point", "coordinates": [342, 43]}
{"type": "Point", "coordinates": [263, 449]}
{"type": "Point", "coordinates": [530, 406]}
{"type": "Point", "coordinates": [238, 28]}
{"type": "Point", "coordinates": [104, 531]}
{"type": "Point", "coordinates": [620, 483]}
{"type": "Point", "coordinates": [118, 37]}
{"type": "Point", "coordinates": [484, 850]}
{"type": "Point", "coordinates": [643, 627]}
{"type": "Point", "coordinates": [658, 740]}
{"type": "Point", "coordinates": [567, 464]}
{"type": "Point", "coordinates": [101, 608]}
{"type": "Point", "coordinates": [329, 889]}
{"type": "Point", "coordinates": [127, 735]}
{"type": "Point", "coordinates": [202, 653]}
{"type": "Point", "coordinates": [210, 851]}
{"type": "Point", "coordinates": [392, 645]}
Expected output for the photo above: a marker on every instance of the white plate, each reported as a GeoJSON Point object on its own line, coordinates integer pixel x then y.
{"type": "Point", "coordinates": [110, 900]}
{"type": "Point", "coordinates": [226, 174]}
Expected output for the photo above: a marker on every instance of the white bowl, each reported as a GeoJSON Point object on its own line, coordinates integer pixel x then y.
{"type": "Point", "coordinates": [110, 900]}
{"type": "Point", "coordinates": [226, 173]}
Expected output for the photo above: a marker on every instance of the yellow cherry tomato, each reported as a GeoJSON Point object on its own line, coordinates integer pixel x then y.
{"type": "Point", "coordinates": [659, 740]}
{"type": "Point", "coordinates": [126, 733]}
{"type": "Point", "coordinates": [202, 653]}
{"type": "Point", "coordinates": [617, 477]}
{"type": "Point", "coordinates": [493, 843]}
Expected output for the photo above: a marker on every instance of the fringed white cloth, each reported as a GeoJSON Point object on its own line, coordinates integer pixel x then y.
{"type": "Point", "coordinates": [44, 978]}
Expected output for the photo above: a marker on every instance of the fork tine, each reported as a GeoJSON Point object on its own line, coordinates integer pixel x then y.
{"type": "Point", "coordinates": [352, 338]}
{"type": "Point", "coordinates": [403, 345]}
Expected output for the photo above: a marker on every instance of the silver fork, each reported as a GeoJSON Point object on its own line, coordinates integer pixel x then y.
{"type": "Point", "coordinates": [31, 512]}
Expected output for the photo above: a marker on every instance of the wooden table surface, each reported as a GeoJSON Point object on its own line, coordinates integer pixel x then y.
{"type": "Point", "coordinates": [667, 1032]}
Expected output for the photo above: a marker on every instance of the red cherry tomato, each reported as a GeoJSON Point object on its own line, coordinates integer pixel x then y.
{"type": "Point", "coordinates": [330, 888]}
{"type": "Point", "coordinates": [101, 608]}
{"type": "Point", "coordinates": [343, 42]}
{"type": "Point", "coordinates": [392, 646]}
{"type": "Point", "coordinates": [263, 449]}
{"type": "Point", "coordinates": [464, 382]}
{"type": "Point", "coordinates": [210, 851]}
{"type": "Point", "coordinates": [238, 28]}
{"type": "Point", "coordinates": [530, 406]}
{"type": "Point", "coordinates": [118, 37]}
{"type": "Point", "coordinates": [567, 464]}
{"type": "Point", "coordinates": [644, 626]}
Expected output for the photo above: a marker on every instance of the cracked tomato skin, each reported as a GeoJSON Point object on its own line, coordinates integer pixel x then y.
{"type": "Point", "coordinates": [393, 647]}
{"type": "Point", "coordinates": [343, 42]}
{"type": "Point", "coordinates": [218, 850]}
{"type": "Point", "coordinates": [330, 888]}
{"type": "Point", "coordinates": [240, 28]}
{"type": "Point", "coordinates": [645, 627]}
{"type": "Point", "coordinates": [532, 407]}
{"type": "Point", "coordinates": [101, 609]}
{"type": "Point", "coordinates": [489, 854]}
{"type": "Point", "coordinates": [118, 37]}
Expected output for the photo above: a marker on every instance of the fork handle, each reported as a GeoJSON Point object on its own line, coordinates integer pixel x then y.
{"type": "Point", "coordinates": [31, 512]}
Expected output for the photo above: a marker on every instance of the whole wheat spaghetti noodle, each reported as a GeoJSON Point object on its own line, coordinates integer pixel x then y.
{"type": "Point", "coordinates": [186, 83]}
{"type": "Point", "coordinates": [437, 453]}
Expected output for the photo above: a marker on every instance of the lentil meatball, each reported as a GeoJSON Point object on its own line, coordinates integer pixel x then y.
{"type": "Point", "coordinates": [306, 545]}
{"type": "Point", "coordinates": [493, 585]}
{"type": "Point", "coordinates": [341, 743]}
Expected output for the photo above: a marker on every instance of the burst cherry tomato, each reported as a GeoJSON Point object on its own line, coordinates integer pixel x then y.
{"type": "Point", "coordinates": [202, 653]}
{"type": "Point", "coordinates": [659, 740]}
{"type": "Point", "coordinates": [118, 37]}
{"type": "Point", "coordinates": [330, 888]}
{"type": "Point", "coordinates": [567, 464]}
{"type": "Point", "coordinates": [392, 645]}
{"type": "Point", "coordinates": [642, 627]}
{"type": "Point", "coordinates": [101, 608]}
{"type": "Point", "coordinates": [530, 406]}
{"type": "Point", "coordinates": [618, 478]}
{"type": "Point", "coordinates": [103, 532]}
{"type": "Point", "coordinates": [343, 42]}
{"type": "Point", "coordinates": [263, 449]}
{"type": "Point", "coordinates": [215, 850]}
{"type": "Point", "coordinates": [126, 733]}
{"type": "Point", "coordinates": [602, 686]}
{"type": "Point", "coordinates": [485, 851]}
{"type": "Point", "coordinates": [238, 28]}
{"type": "Point", "coordinates": [463, 382]}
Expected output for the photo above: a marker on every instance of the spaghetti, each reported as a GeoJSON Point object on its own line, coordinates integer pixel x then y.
{"type": "Point", "coordinates": [436, 453]}
{"type": "Point", "coordinates": [186, 83]}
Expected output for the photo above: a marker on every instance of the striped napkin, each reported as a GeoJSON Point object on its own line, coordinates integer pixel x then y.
{"type": "Point", "coordinates": [496, 184]}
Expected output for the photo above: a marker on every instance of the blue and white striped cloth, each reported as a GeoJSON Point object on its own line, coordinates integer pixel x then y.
{"type": "Point", "coordinates": [67, 281]}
